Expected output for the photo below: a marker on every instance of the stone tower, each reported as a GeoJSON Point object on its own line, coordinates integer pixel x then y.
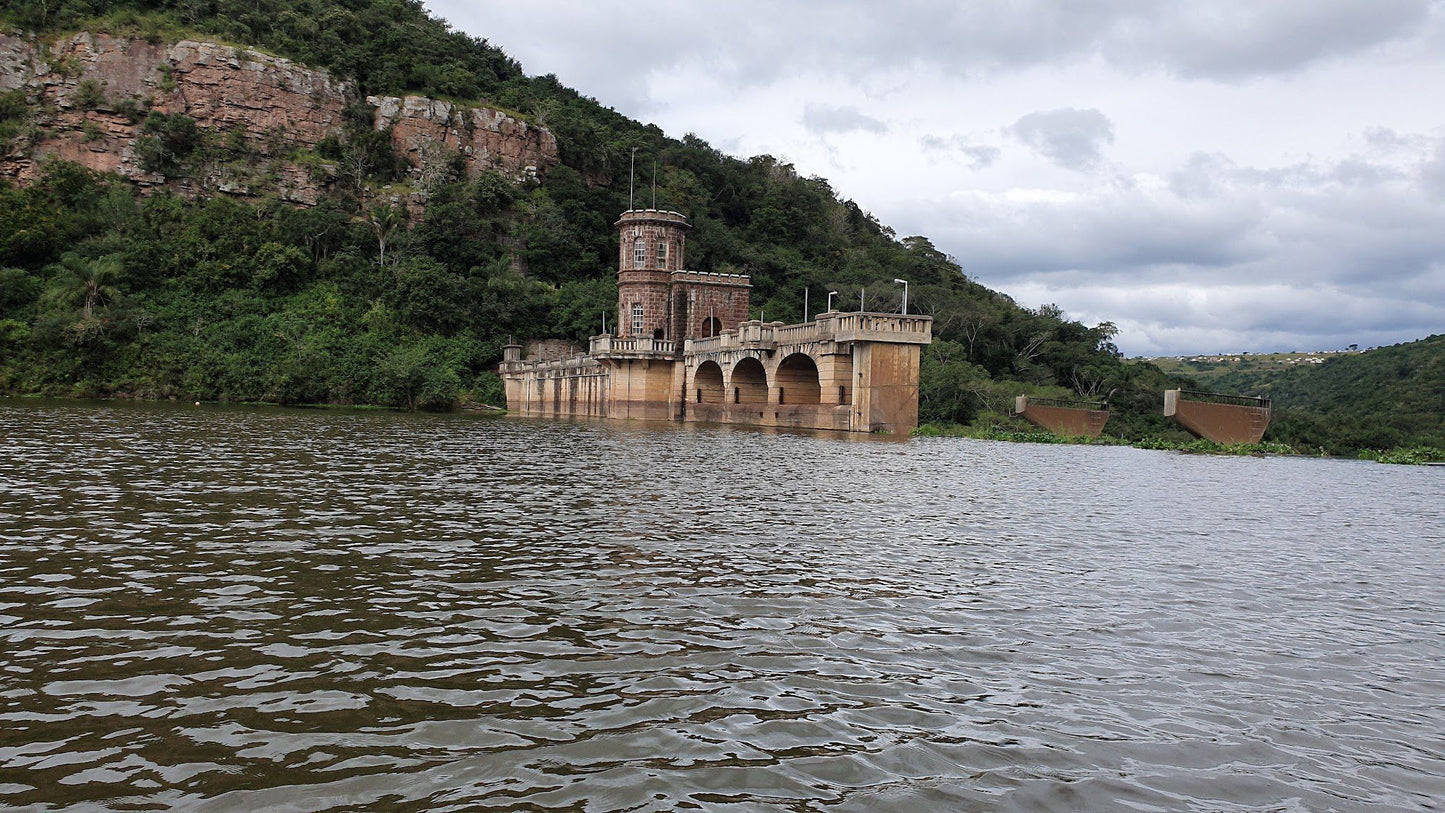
{"type": "Point", "coordinates": [650, 249]}
{"type": "Point", "coordinates": [657, 297]}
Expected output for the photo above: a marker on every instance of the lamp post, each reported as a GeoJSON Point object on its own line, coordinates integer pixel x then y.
{"type": "Point", "coordinates": [904, 283]}
{"type": "Point", "coordinates": [831, 294]}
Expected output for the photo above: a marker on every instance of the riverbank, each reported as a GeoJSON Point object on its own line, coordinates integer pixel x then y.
{"type": "Point", "coordinates": [1411, 455]}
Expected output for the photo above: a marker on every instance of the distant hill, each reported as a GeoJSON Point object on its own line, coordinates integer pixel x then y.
{"type": "Point", "coordinates": [1242, 373]}
{"type": "Point", "coordinates": [1377, 399]}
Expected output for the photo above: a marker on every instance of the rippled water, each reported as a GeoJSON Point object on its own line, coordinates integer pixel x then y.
{"type": "Point", "coordinates": [241, 609]}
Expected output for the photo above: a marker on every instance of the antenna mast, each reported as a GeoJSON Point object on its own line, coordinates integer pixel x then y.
{"type": "Point", "coordinates": [631, 174]}
{"type": "Point", "coordinates": [654, 184]}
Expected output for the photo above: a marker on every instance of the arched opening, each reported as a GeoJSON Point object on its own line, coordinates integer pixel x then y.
{"type": "Point", "coordinates": [711, 326]}
{"type": "Point", "coordinates": [750, 382]}
{"type": "Point", "coordinates": [798, 380]}
{"type": "Point", "coordinates": [657, 334]}
{"type": "Point", "coordinates": [707, 383]}
{"type": "Point", "coordinates": [636, 319]}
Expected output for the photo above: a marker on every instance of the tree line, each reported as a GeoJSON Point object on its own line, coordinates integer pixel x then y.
{"type": "Point", "coordinates": [107, 292]}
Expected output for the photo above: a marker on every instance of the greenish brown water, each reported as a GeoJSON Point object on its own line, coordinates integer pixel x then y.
{"type": "Point", "coordinates": [243, 609]}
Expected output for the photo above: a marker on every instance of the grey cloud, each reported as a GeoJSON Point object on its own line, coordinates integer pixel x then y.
{"type": "Point", "coordinates": [1245, 38]}
{"type": "Point", "coordinates": [820, 119]}
{"type": "Point", "coordinates": [1069, 137]}
{"type": "Point", "coordinates": [978, 156]}
{"type": "Point", "coordinates": [1386, 140]}
{"type": "Point", "coordinates": [1198, 177]}
{"type": "Point", "coordinates": [1358, 172]}
{"type": "Point", "coordinates": [1304, 257]}
{"type": "Point", "coordinates": [1432, 172]}
{"type": "Point", "coordinates": [753, 42]}
{"type": "Point", "coordinates": [1112, 241]}
{"type": "Point", "coordinates": [1208, 175]}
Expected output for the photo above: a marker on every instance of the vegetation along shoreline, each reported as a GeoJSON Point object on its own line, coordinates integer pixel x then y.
{"type": "Point", "coordinates": [385, 213]}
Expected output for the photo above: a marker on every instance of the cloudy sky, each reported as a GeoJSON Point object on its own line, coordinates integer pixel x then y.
{"type": "Point", "coordinates": [1214, 176]}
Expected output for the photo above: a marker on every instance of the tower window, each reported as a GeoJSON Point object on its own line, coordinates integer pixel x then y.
{"type": "Point", "coordinates": [639, 253]}
{"type": "Point", "coordinates": [662, 255]}
{"type": "Point", "coordinates": [637, 318]}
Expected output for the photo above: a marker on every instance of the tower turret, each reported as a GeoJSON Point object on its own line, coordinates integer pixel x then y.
{"type": "Point", "coordinates": [650, 248]}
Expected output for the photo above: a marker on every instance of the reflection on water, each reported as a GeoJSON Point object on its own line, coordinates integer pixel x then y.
{"type": "Point", "coordinates": [245, 609]}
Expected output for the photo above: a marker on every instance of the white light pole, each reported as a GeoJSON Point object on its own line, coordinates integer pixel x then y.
{"type": "Point", "coordinates": [831, 294]}
{"type": "Point", "coordinates": [904, 283]}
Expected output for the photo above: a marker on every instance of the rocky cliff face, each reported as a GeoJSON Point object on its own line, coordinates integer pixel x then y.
{"type": "Point", "coordinates": [90, 93]}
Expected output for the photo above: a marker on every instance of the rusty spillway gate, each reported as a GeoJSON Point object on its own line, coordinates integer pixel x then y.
{"type": "Point", "coordinates": [1072, 419]}
{"type": "Point", "coordinates": [1226, 419]}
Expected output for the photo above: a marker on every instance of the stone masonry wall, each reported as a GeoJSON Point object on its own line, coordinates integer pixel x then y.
{"type": "Point", "coordinates": [655, 237]}
{"type": "Point", "coordinates": [698, 297]}
{"type": "Point", "coordinates": [649, 289]}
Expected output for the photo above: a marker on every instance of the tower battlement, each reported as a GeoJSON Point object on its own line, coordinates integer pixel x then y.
{"type": "Point", "coordinates": [710, 278]}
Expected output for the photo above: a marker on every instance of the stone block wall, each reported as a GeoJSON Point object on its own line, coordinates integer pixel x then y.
{"type": "Point", "coordinates": [698, 297]}
{"type": "Point", "coordinates": [571, 388]}
{"type": "Point", "coordinates": [885, 395]}
{"type": "Point", "coordinates": [649, 289]}
{"type": "Point", "coordinates": [656, 229]}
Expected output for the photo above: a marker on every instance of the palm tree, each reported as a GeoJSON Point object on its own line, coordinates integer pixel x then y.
{"type": "Point", "coordinates": [384, 220]}
{"type": "Point", "coordinates": [89, 281]}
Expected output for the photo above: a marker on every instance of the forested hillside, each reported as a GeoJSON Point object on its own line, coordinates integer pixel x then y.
{"type": "Point", "coordinates": [110, 292]}
{"type": "Point", "coordinates": [399, 286]}
{"type": "Point", "coordinates": [1380, 399]}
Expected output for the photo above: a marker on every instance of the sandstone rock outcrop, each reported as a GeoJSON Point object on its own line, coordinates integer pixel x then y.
{"type": "Point", "coordinates": [91, 92]}
{"type": "Point", "coordinates": [424, 129]}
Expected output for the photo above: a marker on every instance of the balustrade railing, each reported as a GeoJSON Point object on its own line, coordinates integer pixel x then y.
{"type": "Point", "coordinates": [796, 334]}
{"type": "Point", "coordinates": [618, 345]}
{"type": "Point", "coordinates": [828, 327]}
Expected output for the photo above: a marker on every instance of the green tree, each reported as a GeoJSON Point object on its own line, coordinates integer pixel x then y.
{"type": "Point", "coordinates": [384, 220]}
{"type": "Point", "coordinates": [89, 283]}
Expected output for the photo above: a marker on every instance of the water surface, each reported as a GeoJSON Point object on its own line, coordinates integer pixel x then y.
{"type": "Point", "coordinates": [221, 609]}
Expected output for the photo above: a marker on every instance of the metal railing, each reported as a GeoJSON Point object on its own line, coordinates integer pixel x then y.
{"type": "Point", "coordinates": [1229, 400]}
{"type": "Point", "coordinates": [1069, 403]}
